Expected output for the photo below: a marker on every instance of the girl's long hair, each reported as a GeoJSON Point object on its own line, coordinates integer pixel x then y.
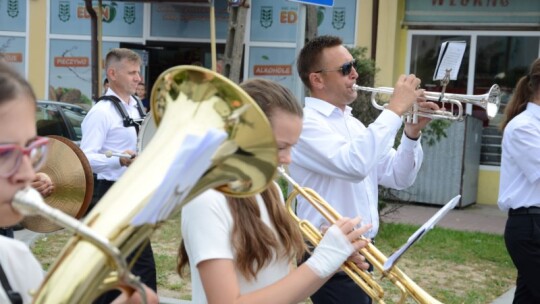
{"type": "Point", "coordinates": [525, 91]}
{"type": "Point", "coordinates": [254, 243]}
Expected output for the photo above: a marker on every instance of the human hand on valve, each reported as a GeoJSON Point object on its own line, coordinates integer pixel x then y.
{"type": "Point", "coordinates": [406, 93]}
{"type": "Point", "coordinates": [347, 226]}
{"type": "Point", "coordinates": [413, 130]}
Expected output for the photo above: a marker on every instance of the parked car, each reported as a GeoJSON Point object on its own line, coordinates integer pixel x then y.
{"type": "Point", "coordinates": [59, 118]}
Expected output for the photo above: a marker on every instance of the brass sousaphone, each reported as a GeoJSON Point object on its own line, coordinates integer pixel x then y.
{"type": "Point", "coordinates": [71, 174]}
{"type": "Point", "coordinates": [186, 100]}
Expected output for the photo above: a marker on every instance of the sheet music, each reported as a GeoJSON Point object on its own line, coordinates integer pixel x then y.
{"type": "Point", "coordinates": [418, 234]}
{"type": "Point", "coordinates": [191, 161]}
{"type": "Point", "coordinates": [450, 57]}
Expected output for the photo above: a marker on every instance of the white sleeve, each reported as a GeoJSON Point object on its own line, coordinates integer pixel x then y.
{"type": "Point", "coordinates": [94, 129]}
{"type": "Point", "coordinates": [524, 148]}
{"type": "Point", "coordinates": [398, 169]}
{"type": "Point", "coordinates": [206, 228]}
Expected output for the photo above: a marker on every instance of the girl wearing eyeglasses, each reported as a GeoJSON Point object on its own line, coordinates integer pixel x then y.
{"type": "Point", "coordinates": [240, 250]}
{"type": "Point", "coordinates": [21, 154]}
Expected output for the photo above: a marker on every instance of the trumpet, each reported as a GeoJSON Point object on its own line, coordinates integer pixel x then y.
{"type": "Point", "coordinates": [489, 101]}
{"type": "Point", "coordinates": [365, 280]}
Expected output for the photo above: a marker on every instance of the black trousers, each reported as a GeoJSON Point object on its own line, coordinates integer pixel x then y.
{"type": "Point", "coordinates": [144, 267]}
{"type": "Point", "coordinates": [340, 288]}
{"type": "Point", "coordinates": [522, 238]}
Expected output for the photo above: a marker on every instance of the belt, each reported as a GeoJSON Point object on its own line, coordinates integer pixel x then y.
{"type": "Point", "coordinates": [524, 211]}
{"type": "Point", "coordinates": [106, 182]}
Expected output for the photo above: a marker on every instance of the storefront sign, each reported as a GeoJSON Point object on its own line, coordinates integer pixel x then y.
{"type": "Point", "coordinates": [71, 61]}
{"type": "Point", "coordinates": [12, 50]}
{"type": "Point", "coordinates": [120, 19]}
{"type": "Point", "coordinates": [276, 21]}
{"type": "Point", "coordinates": [272, 63]}
{"type": "Point", "coordinates": [272, 70]}
{"type": "Point", "coordinates": [12, 57]}
{"type": "Point", "coordinates": [494, 12]}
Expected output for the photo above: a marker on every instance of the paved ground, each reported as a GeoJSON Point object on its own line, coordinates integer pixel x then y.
{"type": "Point", "coordinates": [482, 218]}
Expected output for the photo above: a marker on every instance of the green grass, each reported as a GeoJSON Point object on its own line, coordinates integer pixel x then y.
{"type": "Point", "coordinates": [452, 266]}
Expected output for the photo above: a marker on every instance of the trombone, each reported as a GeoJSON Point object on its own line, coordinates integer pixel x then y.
{"type": "Point", "coordinates": [364, 279]}
{"type": "Point", "coordinates": [489, 101]}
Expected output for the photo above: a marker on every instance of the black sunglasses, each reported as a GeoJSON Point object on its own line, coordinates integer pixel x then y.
{"type": "Point", "coordinates": [345, 69]}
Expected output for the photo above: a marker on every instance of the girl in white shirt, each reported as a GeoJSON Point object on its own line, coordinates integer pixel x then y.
{"type": "Point", "coordinates": [240, 250]}
{"type": "Point", "coordinates": [21, 154]}
{"type": "Point", "coordinates": [519, 191]}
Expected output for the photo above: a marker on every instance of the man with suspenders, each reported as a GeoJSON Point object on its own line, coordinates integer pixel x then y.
{"type": "Point", "coordinates": [112, 125]}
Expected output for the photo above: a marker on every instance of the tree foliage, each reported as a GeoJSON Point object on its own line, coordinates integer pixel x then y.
{"type": "Point", "coordinates": [366, 69]}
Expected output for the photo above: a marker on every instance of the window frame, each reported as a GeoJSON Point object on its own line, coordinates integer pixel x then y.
{"type": "Point", "coordinates": [472, 49]}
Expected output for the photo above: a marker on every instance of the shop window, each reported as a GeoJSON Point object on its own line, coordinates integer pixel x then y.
{"type": "Point", "coordinates": [424, 55]}
{"type": "Point", "coordinates": [501, 60]}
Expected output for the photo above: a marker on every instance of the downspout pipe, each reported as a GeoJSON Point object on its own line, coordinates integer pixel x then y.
{"type": "Point", "coordinates": [374, 29]}
{"type": "Point", "coordinates": [94, 48]}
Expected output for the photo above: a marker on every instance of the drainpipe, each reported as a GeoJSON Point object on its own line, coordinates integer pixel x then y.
{"type": "Point", "coordinates": [94, 46]}
{"type": "Point", "coordinates": [374, 28]}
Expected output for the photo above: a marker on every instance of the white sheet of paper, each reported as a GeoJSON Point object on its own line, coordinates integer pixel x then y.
{"type": "Point", "coordinates": [191, 161]}
{"type": "Point", "coordinates": [450, 57]}
{"type": "Point", "coordinates": [418, 234]}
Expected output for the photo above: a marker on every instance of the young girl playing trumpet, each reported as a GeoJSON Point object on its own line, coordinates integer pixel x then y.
{"type": "Point", "coordinates": [240, 250]}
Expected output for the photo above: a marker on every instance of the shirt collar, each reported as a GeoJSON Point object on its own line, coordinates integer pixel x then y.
{"type": "Point", "coordinates": [534, 108]}
{"type": "Point", "coordinates": [324, 107]}
{"type": "Point", "coordinates": [131, 101]}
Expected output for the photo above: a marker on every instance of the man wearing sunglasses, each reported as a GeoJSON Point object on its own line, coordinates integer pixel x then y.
{"type": "Point", "coordinates": [343, 160]}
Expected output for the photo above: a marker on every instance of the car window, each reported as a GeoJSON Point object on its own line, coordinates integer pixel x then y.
{"type": "Point", "coordinates": [75, 115]}
{"type": "Point", "coordinates": [49, 121]}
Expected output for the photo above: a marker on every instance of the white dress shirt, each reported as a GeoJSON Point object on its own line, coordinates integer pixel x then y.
{"type": "Point", "coordinates": [22, 270]}
{"type": "Point", "coordinates": [344, 162]}
{"type": "Point", "coordinates": [103, 130]}
{"type": "Point", "coordinates": [520, 162]}
{"type": "Point", "coordinates": [207, 225]}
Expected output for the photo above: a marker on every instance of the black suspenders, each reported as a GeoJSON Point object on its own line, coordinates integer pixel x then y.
{"type": "Point", "coordinates": [13, 296]}
{"type": "Point", "coordinates": [128, 121]}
